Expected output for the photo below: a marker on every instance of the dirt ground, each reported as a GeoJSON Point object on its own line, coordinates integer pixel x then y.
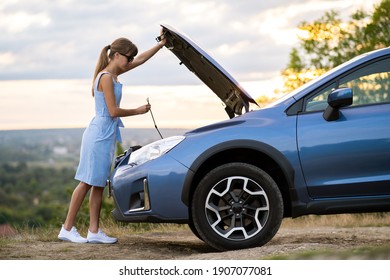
{"type": "Point", "coordinates": [184, 245]}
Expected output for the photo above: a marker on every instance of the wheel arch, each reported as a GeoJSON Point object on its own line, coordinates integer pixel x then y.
{"type": "Point", "coordinates": [248, 151]}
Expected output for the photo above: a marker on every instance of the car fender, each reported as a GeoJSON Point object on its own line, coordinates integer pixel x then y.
{"type": "Point", "coordinates": [271, 152]}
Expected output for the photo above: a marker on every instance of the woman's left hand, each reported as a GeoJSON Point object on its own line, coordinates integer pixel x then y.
{"type": "Point", "coordinates": [162, 39]}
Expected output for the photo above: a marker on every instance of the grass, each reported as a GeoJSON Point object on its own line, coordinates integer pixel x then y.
{"type": "Point", "coordinates": [340, 220]}
{"type": "Point", "coordinates": [49, 233]}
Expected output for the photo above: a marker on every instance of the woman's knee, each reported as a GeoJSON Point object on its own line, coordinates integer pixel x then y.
{"type": "Point", "coordinates": [97, 189]}
{"type": "Point", "coordinates": [84, 186]}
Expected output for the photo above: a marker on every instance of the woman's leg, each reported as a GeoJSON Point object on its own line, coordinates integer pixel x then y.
{"type": "Point", "coordinates": [95, 204]}
{"type": "Point", "coordinates": [77, 199]}
{"type": "Point", "coordinates": [95, 235]}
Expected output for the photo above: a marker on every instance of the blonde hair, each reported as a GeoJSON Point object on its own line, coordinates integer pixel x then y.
{"type": "Point", "coordinates": [120, 45]}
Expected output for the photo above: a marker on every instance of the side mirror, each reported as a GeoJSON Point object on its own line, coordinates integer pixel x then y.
{"type": "Point", "coordinates": [337, 99]}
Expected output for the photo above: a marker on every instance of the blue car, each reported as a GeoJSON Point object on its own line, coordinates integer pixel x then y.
{"type": "Point", "coordinates": [322, 149]}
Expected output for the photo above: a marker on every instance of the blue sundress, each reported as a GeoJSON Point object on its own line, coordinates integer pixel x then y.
{"type": "Point", "coordinates": [99, 140]}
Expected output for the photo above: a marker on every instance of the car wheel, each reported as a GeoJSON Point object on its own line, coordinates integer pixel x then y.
{"type": "Point", "coordinates": [193, 229]}
{"type": "Point", "coordinates": [237, 206]}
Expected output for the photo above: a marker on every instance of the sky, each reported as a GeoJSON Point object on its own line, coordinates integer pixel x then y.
{"type": "Point", "coordinates": [49, 49]}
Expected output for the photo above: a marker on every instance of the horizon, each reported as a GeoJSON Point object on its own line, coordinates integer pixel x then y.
{"type": "Point", "coordinates": [83, 128]}
{"type": "Point", "coordinates": [72, 106]}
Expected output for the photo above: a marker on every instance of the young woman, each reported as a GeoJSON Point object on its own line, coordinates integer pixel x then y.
{"type": "Point", "coordinates": [99, 139]}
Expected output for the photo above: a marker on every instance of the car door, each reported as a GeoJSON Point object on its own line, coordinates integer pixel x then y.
{"type": "Point", "coordinates": [350, 156]}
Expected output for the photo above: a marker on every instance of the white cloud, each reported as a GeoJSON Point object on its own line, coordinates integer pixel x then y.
{"type": "Point", "coordinates": [63, 38]}
{"type": "Point", "coordinates": [7, 58]}
{"type": "Point", "coordinates": [235, 48]}
{"type": "Point", "coordinates": [280, 22]}
{"type": "Point", "coordinates": [22, 21]}
{"type": "Point", "coordinates": [202, 12]}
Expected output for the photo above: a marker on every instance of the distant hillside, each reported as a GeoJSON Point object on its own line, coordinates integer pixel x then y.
{"type": "Point", "coordinates": [37, 168]}
{"type": "Point", "coordinates": [62, 145]}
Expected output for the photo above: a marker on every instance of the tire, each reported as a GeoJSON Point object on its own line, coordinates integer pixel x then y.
{"type": "Point", "coordinates": [193, 229]}
{"type": "Point", "coordinates": [237, 206]}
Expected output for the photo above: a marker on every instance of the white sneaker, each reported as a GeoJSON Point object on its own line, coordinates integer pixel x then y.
{"type": "Point", "coordinates": [71, 235]}
{"type": "Point", "coordinates": [100, 237]}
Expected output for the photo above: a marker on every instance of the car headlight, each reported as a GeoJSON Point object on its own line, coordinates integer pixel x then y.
{"type": "Point", "coordinates": [154, 150]}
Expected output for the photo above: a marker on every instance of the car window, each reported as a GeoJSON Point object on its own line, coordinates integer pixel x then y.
{"type": "Point", "coordinates": [370, 85]}
{"type": "Point", "coordinates": [318, 102]}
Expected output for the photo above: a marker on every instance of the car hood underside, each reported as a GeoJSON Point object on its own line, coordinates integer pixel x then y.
{"type": "Point", "coordinates": [209, 71]}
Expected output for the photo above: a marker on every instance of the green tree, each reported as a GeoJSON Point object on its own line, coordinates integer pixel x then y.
{"type": "Point", "coordinates": [119, 149]}
{"type": "Point", "coordinates": [328, 42]}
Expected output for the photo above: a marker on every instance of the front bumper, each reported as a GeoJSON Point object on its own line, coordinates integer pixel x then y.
{"type": "Point", "coordinates": [150, 192]}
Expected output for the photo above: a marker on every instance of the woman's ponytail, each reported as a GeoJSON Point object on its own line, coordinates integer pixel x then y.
{"type": "Point", "coordinates": [101, 64]}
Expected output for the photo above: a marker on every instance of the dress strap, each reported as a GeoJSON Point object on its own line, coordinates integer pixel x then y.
{"type": "Point", "coordinates": [97, 80]}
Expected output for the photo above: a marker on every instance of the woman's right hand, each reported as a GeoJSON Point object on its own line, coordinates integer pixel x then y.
{"type": "Point", "coordinates": [144, 109]}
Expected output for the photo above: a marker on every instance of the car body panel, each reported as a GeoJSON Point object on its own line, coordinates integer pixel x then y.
{"type": "Point", "coordinates": [339, 160]}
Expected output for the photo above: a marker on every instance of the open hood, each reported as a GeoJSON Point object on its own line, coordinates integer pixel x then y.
{"type": "Point", "coordinates": [208, 71]}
